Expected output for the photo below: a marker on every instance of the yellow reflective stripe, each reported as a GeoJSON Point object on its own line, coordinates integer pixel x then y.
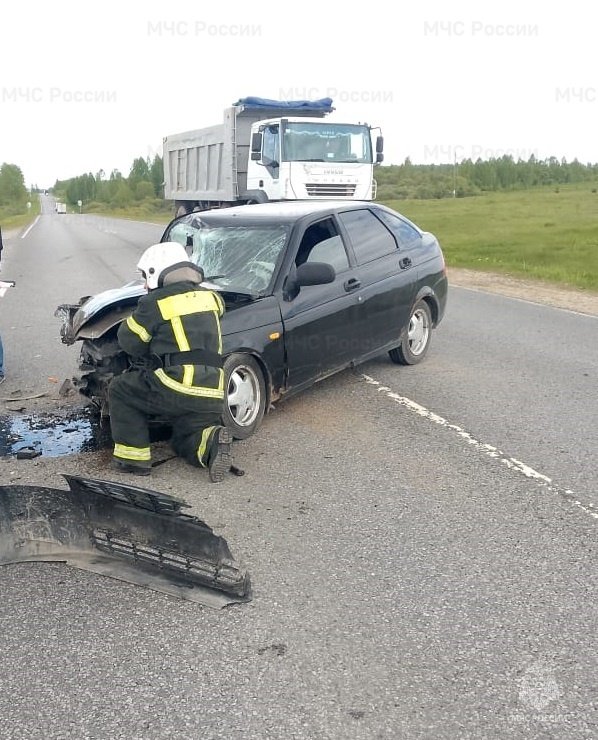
{"type": "Point", "coordinates": [194, 390]}
{"type": "Point", "coordinates": [179, 333]}
{"type": "Point", "coordinates": [136, 328]}
{"type": "Point", "coordinates": [183, 344]}
{"type": "Point", "coordinates": [132, 453]}
{"type": "Point", "coordinates": [220, 302]}
{"type": "Point", "coordinates": [195, 301]}
{"type": "Point", "coordinates": [203, 445]}
{"type": "Point", "coordinates": [219, 337]}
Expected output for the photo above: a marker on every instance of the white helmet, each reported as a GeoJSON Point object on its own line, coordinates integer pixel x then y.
{"type": "Point", "coordinates": [160, 259]}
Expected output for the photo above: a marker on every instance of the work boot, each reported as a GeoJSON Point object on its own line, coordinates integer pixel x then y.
{"type": "Point", "coordinates": [220, 457]}
{"type": "Point", "coordinates": [125, 467]}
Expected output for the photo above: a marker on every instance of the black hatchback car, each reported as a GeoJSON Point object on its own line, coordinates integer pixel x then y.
{"type": "Point", "coordinates": [310, 288]}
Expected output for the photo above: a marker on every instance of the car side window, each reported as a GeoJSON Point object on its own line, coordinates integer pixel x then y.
{"type": "Point", "coordinates": [370, 238]}
{"type": "Point", "coordinates": [403, 232]}
{"type": "Point", "coordinates": [321, 242]}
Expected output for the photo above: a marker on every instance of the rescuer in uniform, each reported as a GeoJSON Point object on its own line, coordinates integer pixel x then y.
{"type": "Point", "coordinates": [175, 344]}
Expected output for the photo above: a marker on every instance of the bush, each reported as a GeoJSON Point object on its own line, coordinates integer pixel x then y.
{"type": "Point", "coordinates": [143, 190]}
{"type": "Point", "coordinates": [122, 196]}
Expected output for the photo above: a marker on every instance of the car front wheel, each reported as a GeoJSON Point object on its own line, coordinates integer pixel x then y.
{"type": "Point", "coordinates": [245, 398]}
{"type": "Point", "coordinates": [416, 340]}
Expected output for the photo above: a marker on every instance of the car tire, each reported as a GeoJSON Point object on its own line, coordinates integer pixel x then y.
{"type": "Point", "coordinates": [417, 337]}
{"type": "Point", "coordinates": [245, 396]}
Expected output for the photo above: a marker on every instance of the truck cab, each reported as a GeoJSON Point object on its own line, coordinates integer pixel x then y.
{"type": "Point", "coordinates": [310, 159]}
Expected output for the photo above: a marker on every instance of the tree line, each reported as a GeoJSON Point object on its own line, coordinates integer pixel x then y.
{"type": "Point", "coordinates": [13, 193]}
{"type": "Point", "coordinates": [468, 178]}
{"type": "Point", "coordinates": [395, 182]}
{"type": "Point", "coordinates": [144, 182]}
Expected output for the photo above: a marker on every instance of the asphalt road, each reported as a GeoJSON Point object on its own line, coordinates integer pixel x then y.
{"type": "Point", "coordinates": [421, 540]}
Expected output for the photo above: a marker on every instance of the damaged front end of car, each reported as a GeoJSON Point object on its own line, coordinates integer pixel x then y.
{"type": "Point", "coordinates": [94, 321]}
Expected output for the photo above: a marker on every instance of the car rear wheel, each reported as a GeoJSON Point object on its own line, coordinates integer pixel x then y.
{"type": "Point", "coordinates": [416, 340]}
{"type": "Point", "coordinates": [245, 398]}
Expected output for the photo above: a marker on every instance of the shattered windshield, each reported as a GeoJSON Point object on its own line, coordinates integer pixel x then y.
{"type": "Point", "coordinates": [239, 258]}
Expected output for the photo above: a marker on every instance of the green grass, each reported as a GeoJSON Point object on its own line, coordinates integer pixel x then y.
{"type": "Point", "coordinates": [537, 234]}
{"type": "Point", "coordinates": [154, 210]}
{"type": "Point", "coordinates": [12, 217]}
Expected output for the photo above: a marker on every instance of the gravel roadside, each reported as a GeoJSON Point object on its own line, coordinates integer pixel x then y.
{"type": "Point", "coordinates": [529, 290]}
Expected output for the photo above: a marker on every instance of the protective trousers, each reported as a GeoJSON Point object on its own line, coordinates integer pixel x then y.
{"type": "Point", "coordinates": [135, 396]}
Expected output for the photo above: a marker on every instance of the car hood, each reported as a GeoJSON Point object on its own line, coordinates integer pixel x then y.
{"type": "Point", "coordinates": [95, 315]}
{"type": "Point", "coordinates": [128, 295]}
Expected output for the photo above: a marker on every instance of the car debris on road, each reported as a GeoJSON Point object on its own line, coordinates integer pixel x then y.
{"type": "Point", "coordinates": [129, 533]}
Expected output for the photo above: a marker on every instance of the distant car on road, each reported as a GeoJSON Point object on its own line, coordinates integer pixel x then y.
{"type": "Point", "coordinates": [310, 289]}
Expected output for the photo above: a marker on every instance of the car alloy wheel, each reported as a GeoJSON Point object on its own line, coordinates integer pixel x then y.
{"type": "Point", "coordinates": [245, 395]}
{"type": "Point", "coordinates": [416, 339]}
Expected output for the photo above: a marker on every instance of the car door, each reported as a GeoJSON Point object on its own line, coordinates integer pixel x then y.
{"type": "Point", "coordinates": [319, 320]}
{"type": "Point", "coordinates": [387, 276]}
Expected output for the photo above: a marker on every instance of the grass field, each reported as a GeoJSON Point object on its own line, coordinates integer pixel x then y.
{"type": "Point", "coordinates": [10, 220]}
{"type": "Point", "coordinates": [157, 211]}
{"type": "Point", "coordinates": [539, 234]}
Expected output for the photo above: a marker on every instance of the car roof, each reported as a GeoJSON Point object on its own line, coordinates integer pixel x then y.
{"type": "Point", "coordinates": [283, 211]}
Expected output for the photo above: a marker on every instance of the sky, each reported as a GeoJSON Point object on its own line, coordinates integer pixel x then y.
{"type": "Point", "coordinates": [91, 86]}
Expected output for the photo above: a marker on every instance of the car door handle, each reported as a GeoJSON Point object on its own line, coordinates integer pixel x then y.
{"type": "Point", "coordinates": [352, 284]}
{"type": "Point", "coordinates": [405, 262]}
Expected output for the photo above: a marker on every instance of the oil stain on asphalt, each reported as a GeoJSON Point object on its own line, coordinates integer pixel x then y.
{"type": "Point", "coordinates": [52, 436]}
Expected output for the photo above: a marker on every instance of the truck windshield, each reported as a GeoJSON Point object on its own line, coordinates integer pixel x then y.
{"type": "Point", "coordinates": [239, 258]}
{"type": "Point", "coordinates": [326, 142]}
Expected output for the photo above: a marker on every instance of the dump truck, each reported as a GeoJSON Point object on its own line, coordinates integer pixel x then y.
{"type": "Point", "coordinates": [271, 150]}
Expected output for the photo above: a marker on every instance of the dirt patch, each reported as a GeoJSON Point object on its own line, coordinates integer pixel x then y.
{"type": "Point", "coordinates": [529, 290]}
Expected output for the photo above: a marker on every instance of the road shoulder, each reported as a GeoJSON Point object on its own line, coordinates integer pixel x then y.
{"type": "Point", "coordinates": [529, 290]}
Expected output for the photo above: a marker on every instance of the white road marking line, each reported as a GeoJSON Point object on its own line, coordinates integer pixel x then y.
{"type": "Point", "coordinates": [487, 449]}
{"type": "Point", "coordinates": [30, 227]}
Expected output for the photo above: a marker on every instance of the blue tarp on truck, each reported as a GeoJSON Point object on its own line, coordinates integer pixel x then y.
{"type": "Point", "coordinates": [323, 104]}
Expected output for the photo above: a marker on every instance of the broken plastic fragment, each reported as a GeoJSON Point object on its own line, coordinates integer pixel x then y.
{"type": "Point", "coordinates": [28, 453]}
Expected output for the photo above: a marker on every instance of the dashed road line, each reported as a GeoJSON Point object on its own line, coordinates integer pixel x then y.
{"type": "Point", "coordinates": [24, 234]}
{"type": "Point", "coordinates": [490, 450]}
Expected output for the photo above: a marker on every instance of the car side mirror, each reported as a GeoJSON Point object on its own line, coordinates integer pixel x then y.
{"type": "Point", "coordinates": [315, 273]}
{"type": "Point", "coordinates": [309, 273]}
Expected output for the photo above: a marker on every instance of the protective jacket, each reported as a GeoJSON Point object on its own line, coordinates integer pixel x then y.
{"type": "Point", "coordinates": [175, 342]}
{"type": "Point", "coordinates": [175, 330]}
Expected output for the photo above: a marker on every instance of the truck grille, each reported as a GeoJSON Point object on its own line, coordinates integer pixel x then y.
{"type": "Point", "coordinates": [330, 189]}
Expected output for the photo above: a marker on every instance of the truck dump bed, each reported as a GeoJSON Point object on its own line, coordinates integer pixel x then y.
{"type": "Point", "coordinates": [210, 164]}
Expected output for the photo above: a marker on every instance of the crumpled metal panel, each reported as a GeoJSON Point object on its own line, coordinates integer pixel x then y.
{"type": "Point", "coordinates": [125, 532]}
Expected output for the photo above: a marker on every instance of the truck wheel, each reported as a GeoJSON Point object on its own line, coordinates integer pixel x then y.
{"type": "Point", "coordinates": [182, 208]}
{"type": "Point", "coordinates": [245, 395]}
{"type": "Point", "coordinates": [416, 340]}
